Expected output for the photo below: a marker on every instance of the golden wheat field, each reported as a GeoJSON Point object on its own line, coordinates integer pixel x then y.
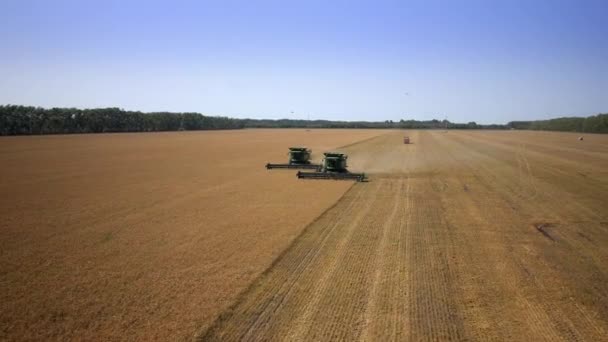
{"type": "Point", "coordinates": [145, 236]}
{"type": "Point", "coordinates": [461, 235]}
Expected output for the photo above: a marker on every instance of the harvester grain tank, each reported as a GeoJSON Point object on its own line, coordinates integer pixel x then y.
{"type": "Point", "coordinates": [299, 158]}
{"type": "Point", "coordinates": [333, 167]}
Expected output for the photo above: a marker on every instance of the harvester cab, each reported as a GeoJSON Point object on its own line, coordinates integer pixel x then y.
{"type": "Point", "coordinates": [334, 162]}
{"type": "Point", "coordinates": [299, 158]}
{"type": "Point", "coordinates": [299, 155]}
{"type": "Point", "coordinates": [333, 167]}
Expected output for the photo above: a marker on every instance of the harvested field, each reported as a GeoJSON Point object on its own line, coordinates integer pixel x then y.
{"type": "Point", "coordinates": [458, 236]}
{"type": "Point", "coordinates": [146, 236]}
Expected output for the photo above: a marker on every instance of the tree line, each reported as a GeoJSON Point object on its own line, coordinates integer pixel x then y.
{"type": "Point", "coordinates": [403, 124]}
{"type": "Point", "coordinates": [24, 120]}
{"type": "Point", "coordinates": [20, 120]}
{"type": "Point", "coordinates": [592, 124]}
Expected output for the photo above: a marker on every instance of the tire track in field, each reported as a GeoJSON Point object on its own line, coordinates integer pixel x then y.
{"type": "Point", "coordinates": [302, 310]}
{"type": "Point", "coordinates": [383, 314]}
{"type": "Point", "coordinates": [524, 284]}
{"type": "Point", "coordinates": [560, 172]}
{"type": "Point", "coordinates": [375, 267]}
{"type": "Point", "coordinates": [337, 312]}
{"type": "Point", "coordinates": [272, 295]}
{"type": "Point", "coordinates": [434, 314]}
{"type": "Point", "coordinates": [438, 246]}
{"type": "Point", "coordinates": [498, 264]}
{"type": "Point", "coordinates": [500, 260]}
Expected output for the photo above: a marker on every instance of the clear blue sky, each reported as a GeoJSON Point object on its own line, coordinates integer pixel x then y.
{"type": "Point", "coordinates": [485, 61]}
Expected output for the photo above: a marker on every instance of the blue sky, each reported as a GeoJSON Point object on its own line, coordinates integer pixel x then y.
{"type": "Point", "coordinates": [484, 61]}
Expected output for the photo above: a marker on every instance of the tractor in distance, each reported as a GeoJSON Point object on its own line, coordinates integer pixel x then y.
{"type": "Point", "coordinates": [299, 158]}
{"type": "Point", "coordinates": [333, 167]}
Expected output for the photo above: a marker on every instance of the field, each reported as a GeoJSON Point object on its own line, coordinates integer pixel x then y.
{"type": "Point", "coordinates": [461, 235]}
{"type": "Point", "coordinates": [145, 236]}
{"type": "Point", "coordinates": [492, 235]}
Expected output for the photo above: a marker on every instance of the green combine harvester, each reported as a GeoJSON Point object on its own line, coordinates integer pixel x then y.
{"type": "Point", "coordinates": [333, 167]}
{"type": "Point", "coordinates": [299, 158]}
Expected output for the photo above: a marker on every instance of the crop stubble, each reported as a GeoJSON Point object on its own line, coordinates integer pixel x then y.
{"type": "Point", "coordinates": [461, 235]}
